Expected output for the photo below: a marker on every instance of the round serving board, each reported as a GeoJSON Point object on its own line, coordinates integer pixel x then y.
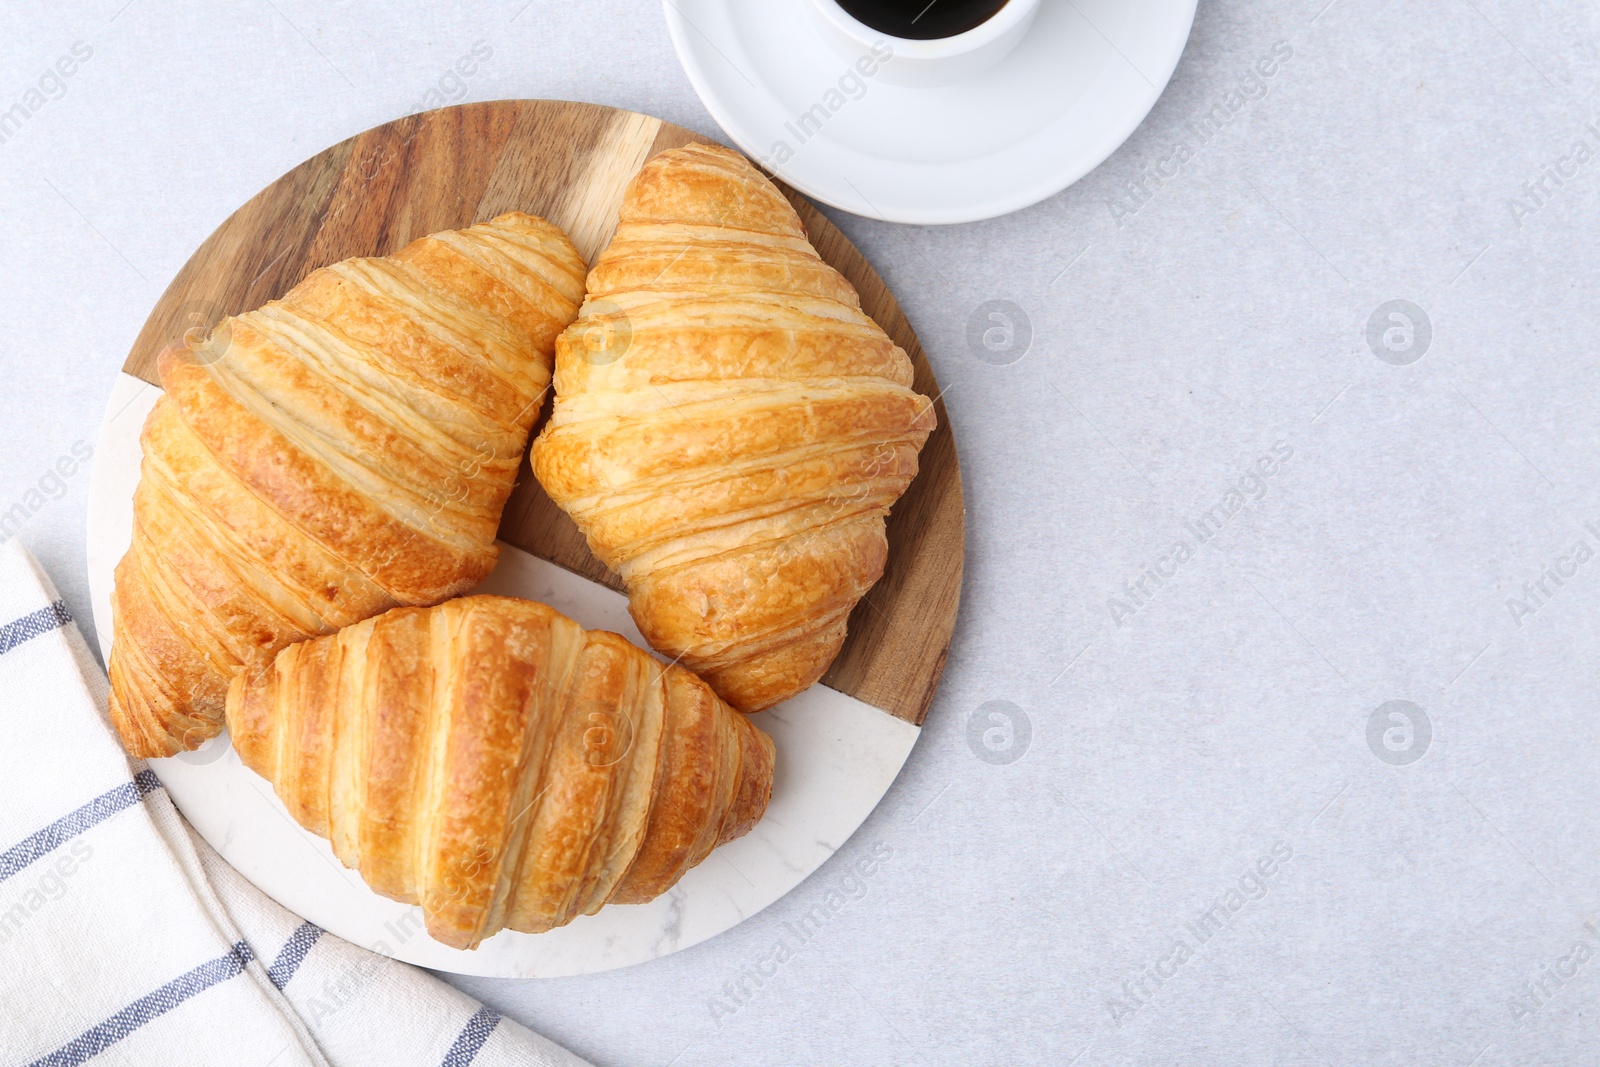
{"type": "Point", "coordinates": [840, 744]}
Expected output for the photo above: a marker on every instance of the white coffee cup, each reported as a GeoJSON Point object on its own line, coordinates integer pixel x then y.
{"type": "Point", "coordinates": [927, 63]}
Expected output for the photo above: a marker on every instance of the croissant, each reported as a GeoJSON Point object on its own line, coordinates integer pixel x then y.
{"type": "Point", "coordinates": [494, 762]}
{"type": "Point", "coordinates": [730, 429]}
{"type": "Point", "coordinates": [336, 453]}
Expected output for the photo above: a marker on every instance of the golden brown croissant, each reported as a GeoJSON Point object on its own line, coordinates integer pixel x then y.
{"type": "Point", "coordinates": [492, 761]}
{"type": "Point", "coordinates": [329, 456]}
{"type": "Point", "coordinates": [730, 429]}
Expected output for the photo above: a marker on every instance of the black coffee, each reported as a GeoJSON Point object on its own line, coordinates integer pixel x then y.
{"type": "Point", "coordinates": [922, 20]}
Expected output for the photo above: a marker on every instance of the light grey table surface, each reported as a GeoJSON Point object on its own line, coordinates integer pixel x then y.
{"type": "Point", "coordinates": [1432, 895]}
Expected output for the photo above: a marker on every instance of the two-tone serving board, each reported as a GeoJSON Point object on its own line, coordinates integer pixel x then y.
{"type": "Point", "coordinates": [569, 162]}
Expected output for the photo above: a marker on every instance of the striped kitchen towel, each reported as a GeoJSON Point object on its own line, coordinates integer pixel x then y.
{"type": "Point", "coordinates": [124, 939]}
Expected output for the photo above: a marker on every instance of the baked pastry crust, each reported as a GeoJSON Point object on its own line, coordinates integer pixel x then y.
{"type": "Point", "coordinates": [329, 456]}
{"type": "Point", "coordinates": [494, 762]}
{"type": "Point", "coordinates": [730, 429]}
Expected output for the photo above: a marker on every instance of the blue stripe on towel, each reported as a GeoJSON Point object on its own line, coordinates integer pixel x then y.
{"type": "Point", "coordinates": [471, 1038]}
{"type": "Point", "coordinates": [102, 1036]}
{"type": "Point", "coordinates": [293, 954]}
{"type": "Point", "coordinates": [32, 625]}
{"type": "Point", "coordinates": [67, 827]}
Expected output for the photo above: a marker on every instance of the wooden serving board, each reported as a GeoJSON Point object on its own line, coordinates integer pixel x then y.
{"type": "Point", "coordinates": [570, 162]}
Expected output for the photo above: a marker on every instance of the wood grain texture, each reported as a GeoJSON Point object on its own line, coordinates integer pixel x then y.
{"type": "Point", "coordinates": [447, 169]}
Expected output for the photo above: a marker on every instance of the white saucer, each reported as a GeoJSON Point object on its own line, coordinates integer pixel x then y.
{"type": "Point", "coordinates": [837, 756]}
{"type": "Point", "coordinates": [1076, 87]}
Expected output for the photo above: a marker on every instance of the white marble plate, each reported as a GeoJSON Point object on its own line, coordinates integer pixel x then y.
{"type": "Point", "coordinates": [836, 758]}
{"type": "Point", "coordinates": [1077, 86]}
